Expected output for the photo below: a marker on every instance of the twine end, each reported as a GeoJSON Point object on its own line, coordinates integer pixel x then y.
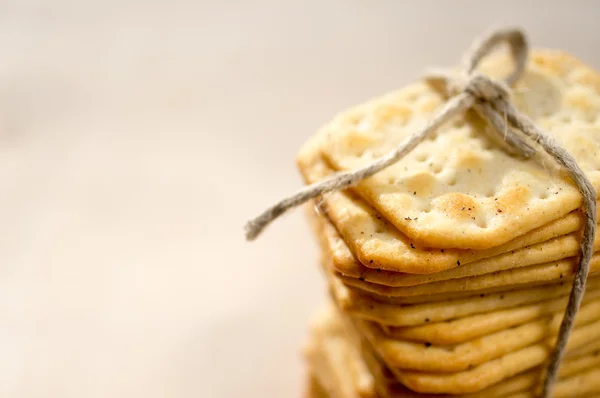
{"type": "Point", "coordinates": [249, 232]}
{"type": "Point", "coordinates": [252, 230]}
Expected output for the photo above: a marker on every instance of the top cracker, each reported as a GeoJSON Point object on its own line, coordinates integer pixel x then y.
{"type": "Point", "coordinates": [457, 190]}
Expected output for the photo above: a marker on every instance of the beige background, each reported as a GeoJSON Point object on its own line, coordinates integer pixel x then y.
{"type": "Point", "coordinates": [135, 139]}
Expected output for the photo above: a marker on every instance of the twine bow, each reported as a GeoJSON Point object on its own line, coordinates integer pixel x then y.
{"type": "Point", "coordinates": [491, 100]}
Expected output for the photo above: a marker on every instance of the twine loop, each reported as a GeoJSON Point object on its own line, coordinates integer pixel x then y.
{"type": "Point", "coordinates": [519, 135]}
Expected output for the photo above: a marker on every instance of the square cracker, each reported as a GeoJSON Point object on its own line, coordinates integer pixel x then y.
{"type": "Point", "coordinates": [329, 327]}
{"type": "Point", "coordinates": [434, 358]}
{"type": "Point", "coordinates": [527, 251]}
{"type": "Point", "coordinates": [431, 312]}
{"type": "Point", "coordinates": [375, 243]}
{"type": "Point", "coordinates": [470, 327]}
{"type": "Point", "coordinates": [493, 371]}
{"type": "Point", "coordinates": [455, 190]}
{"type": "Point", "coordinates": [507, 279]}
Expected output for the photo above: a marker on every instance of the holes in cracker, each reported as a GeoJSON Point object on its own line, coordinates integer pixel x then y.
{"type": "Point", "coordinates": [452, 181]}
{"type": "Point", "coordinates": [353, 119]}
{"type": "Point", "coordinates": [421, 157]}
{"type": "Point", "coordinates": [415, 96]}
{"type": "Point", "coordinates": [437, 168]}
{"type": "Point", "coordinates": [363, 153]}
{"type": "Point", "coordinates": [545, 195]}
{"type": "Point", "coordinates": [481, 222]}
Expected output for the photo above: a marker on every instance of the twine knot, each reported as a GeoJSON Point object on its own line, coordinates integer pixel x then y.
{"type": "Point", "coordinates": [490, 99]}
{"type": "Point", "coordinates": [483, 88]}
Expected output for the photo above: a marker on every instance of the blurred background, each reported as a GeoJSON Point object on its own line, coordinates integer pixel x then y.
{"type": "Point", "coordinates": [136, 137]}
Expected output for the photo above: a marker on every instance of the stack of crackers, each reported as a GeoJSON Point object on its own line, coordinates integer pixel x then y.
{"type": "Point", "coordinates": [449, 271]}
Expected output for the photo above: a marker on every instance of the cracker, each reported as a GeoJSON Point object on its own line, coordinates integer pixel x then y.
{"type": "Point", "coordinates": [513, 277]}
{"type": "Point", "coordinates": [477, 378]}
{"type": "Point", "coordinates": [430, 357]}
{"type": "Point", "coordinates": [431, 312]}
{"type": "Point", "coordinates": [324, 359]}
{"type": "Point", "coordinates": [551, 250]}
{"type": "Point", "coordinates": [495, 370]}
{"type": "Point", "coordinates": [447, 290]}
{"type": "Point", "coordinates": [379, 245]}
{"type": "Point", "coordinates": [574, 366]}
{"type": "Point", "coordinates": [330, 328]}
{"type": "Point", "coordinates": [332, 351]}
{"type": "Point", "coordinates": [470, 327]}
{"type": "Point", "coordinates": [579, 385]}
{"type": "Point", "coordinates": [455, 190]}
{"type": "Point", "coordinates": [405, 300]}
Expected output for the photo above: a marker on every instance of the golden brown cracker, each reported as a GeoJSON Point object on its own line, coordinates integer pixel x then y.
{"type": "Point", "coordinates": [431, 312]}
{"type": "Point", "coordinates": [455, 190]}
{"type": "Point", "coordinates": [467, 328]}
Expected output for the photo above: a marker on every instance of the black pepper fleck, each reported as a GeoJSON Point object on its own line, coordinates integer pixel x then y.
{"type": "Point", "coordinates": [412, 246]}
{"type": "Point", "coordinates": [427, 344]}
{"type": "Point", "coordinates": [457, 262]}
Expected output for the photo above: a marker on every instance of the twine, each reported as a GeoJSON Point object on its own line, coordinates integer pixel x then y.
{"type": "Point", "coordinates": [490, 99]}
